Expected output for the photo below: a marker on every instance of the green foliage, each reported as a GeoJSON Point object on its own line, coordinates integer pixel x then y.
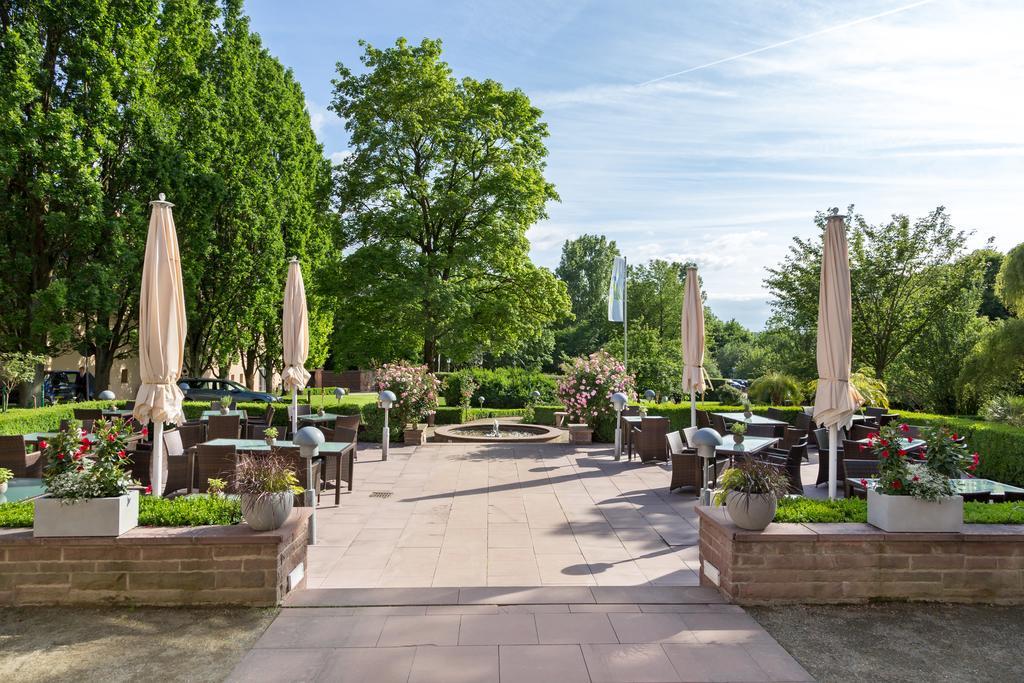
{"type": "Point", "coordinates": [189, 511]}
{"type": "Point", "coordinates": [261, 475]}
{"type": "Point", "coordinates": [17, 368]}
{"type": "Point", "coordinates": [806, 510]}
{"type": "Point", "coordinates": [445, 177]}
{"type": "Point", "coordinates": [163, 512]}
{"type": "Point", "coordinates": [1010, 281]}
{"type": "Point", "coordinates": [905, 277]}
{"type": "Point", "coordinates": [586, 267]}
{"type": "Point", "coordinates": [775, 389]}
{"type": "Point", "coordinates": [545, 415]}
{"type": "Point", "coordinates": [501, 387]}
{"type": "Point", "coordinates": [855, 510]}
{"type": "Point", "coordinates": [1005, 408]}
{"type": "Point", "coordinates": [656, 363]}
{"type": "Point", "coordinates": [5, 475]}
{"type": "Point", "coordinates": [79, 468]}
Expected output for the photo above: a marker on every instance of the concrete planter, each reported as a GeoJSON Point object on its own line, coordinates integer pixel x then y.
{"type": "Point", "coordinates": [88, 517]}
{"type": "Point", "coordinates": [267, 512]}
{"type": "Point", "coordinates": [906, 513]}
{"type": "Point", "coordinates": [581, 433]}
{"type": "Point", "coordinates": [753, 512]}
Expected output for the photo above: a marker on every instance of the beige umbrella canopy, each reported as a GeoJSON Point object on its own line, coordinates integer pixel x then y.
{"type": "Point", "coordinates": [836, 399]}
{"type": "Point", "coordinates": [695, 379]}
{"type": "Point", "coordinates": [162, 329]}
{"type": "Point", "coordinates": [295, 332]}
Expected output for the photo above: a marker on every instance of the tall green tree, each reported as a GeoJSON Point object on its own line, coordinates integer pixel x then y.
{"type": "Point", "coordinates": [444, 178]}
{"type": "Point", "coordinates": [586, 269]}
{"type": "Point", "coordinates": [905, 276]}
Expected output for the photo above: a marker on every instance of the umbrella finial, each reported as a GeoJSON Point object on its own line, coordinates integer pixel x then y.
{"type": "Point", "coordinates": [293, 259]}
{"type": "Point", "coordinates": [162, 197]}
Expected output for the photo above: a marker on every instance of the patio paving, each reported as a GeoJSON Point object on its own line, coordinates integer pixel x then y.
{"type": "Point", "coordinates": [504, 515]}
{"type": "Point", "coordinates": [534, 563]}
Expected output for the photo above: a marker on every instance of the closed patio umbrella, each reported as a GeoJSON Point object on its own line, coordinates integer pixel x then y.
{"type": "Point", "coordinates": [694, 376]}
{"type": "Point", "coordinates": [295, 331]}
{"type": "Point", "coordinates": [162, 329]}
{"type": "Point", "coordinates": [836, 399]}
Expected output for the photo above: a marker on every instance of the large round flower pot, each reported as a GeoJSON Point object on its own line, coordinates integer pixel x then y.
{"type": "Point", "coordinates": [267, 512]}
{"type": "Point", "coordinates": [753, 512]}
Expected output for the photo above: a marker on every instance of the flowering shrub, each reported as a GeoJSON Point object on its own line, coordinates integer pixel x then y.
{"type": "Point", "coordinates": [415, 390]}
{"type": "Point", "coordinates": [588, 384]}
{"type": "Point", "coordinates": [80, 467]}
{"type": "Point", "coordinates": [929, 480]}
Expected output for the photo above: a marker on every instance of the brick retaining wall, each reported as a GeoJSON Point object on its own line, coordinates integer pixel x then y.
{"type": "Point", "coordinates": [224, 565]}
{"type": "Point", "coordinates": [844, 563]}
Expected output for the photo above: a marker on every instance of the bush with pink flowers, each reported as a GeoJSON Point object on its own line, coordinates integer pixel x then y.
{"type": "Point", "coordinates": [587, 385]}
{"type": "Point", "coordinates": [415, 390]}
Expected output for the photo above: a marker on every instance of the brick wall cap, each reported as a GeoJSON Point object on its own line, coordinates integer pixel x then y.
{"type": "Point", "coordinates": [236, 534]}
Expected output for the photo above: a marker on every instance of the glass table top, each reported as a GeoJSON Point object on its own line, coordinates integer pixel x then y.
{"type": "Point", "coordinates": [22, 489]}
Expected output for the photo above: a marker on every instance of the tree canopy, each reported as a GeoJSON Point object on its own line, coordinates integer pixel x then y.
{"type": "Point", "coordinates": [444, 178]}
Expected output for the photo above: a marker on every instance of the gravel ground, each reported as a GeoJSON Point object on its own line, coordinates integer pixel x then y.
{"type": "Point", "coordinates": [125, 644]}
{"type": "Point", "coordinates": [901, 641]}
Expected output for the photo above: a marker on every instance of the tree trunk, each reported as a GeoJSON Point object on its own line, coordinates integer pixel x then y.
{"type": "Point", "coordinates": [429, 352]}
{"type": "Point", "coordinates": [250, 365]}
{"type": "Point", "coordinates": [104, 362]}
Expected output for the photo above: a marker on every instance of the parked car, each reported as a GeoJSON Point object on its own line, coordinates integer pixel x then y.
{"type": "Point", "coordinates": [207, 389]}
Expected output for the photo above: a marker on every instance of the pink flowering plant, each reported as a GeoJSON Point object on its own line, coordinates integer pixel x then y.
{"type": "Point", "coordinates": [415, 390]}
{"type": "Point", "coordinates": [81, 465]}
{"type": "Point", "coordinates": [588, 383]}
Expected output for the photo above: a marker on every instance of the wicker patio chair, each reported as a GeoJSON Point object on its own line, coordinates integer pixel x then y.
{"type": "Point", "coordinates": [793, 437]}
{"type": "Point", "coordinates": [15, 457]}
{"type": "Point", "coordinates": [821, 439]}
{"type": "Point", "coordinates": [858, 469]}
{"type": "Point", "coordinates": [703, 419]}
{"type": "Point", "coordinates": [861, 431]}
{"type": "Point", "coordinates": [192, 434]}
{"type": "Point", "coordinates": [212, 462]}
{"type": "Point", "coordinates": [649, 437]}
{"type": "Point", "coordinates": [776, 414]}
{"type": "Point", "coordinates": [685, 463]}
{"type": "Point", "coordinates": [788, 462]}
{"type": "Point", "coordinates": [88, 414]}
{"type": "Point", "coordinates": [718, 424]}
{"type": "Point", "coordinates": [223, 427]}
{"type": "Point", "coordinates": [767, 431]}
{"type": "Point", "coordinates": [266, 420]}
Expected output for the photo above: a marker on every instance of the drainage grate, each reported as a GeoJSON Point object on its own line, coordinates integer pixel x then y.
{"type": "Point", "coordinates": [380, 494]}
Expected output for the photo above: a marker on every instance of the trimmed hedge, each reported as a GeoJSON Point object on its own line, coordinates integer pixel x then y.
{"type": "Point", "coordinates": [501, 388]}
{"type": "Point", "coordinates": [805, 511]}
{"type": "Point", "coordinates": [167, 512]}
{"type": "Point", "coordinates": [545, 415]}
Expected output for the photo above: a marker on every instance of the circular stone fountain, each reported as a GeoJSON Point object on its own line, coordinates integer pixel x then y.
{"type": "Point", "coordinates": [495, 432]}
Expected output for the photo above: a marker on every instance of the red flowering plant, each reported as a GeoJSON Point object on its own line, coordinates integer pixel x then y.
{"type": "Point", "coordinates": [81, 465]}
{"type": "Point", "coordinates": [897, 476]}
{"type": "Point", "coordinates": [587, 386]}
{"type": "Point", "coordinates": [946, 453]}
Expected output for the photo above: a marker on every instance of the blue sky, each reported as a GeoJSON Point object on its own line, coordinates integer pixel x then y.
{"type": "Point", "coordinates": [723, 165]}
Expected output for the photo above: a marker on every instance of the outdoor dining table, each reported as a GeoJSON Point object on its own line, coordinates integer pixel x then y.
{"type": "Point", "coordinates": [995, 489]}
{"type": "Point", "coordinates": [208, 413]}
{"type": "Point", "coordinates": [22, 488]}
{"type": "Point", "coordinates": [753, 419]}
{"type": "Point", "coordinates": [314, 419]}
{"type": "Point", "coordinates": [118, 412]}
{"type": "Point", "coordinates": [905, 444]}
{"type": "Point", "coordinates": [36, 437]}
{"type": "Point", "coordinates": [749, 446]}
{"type": "Point", "coordinates": [335, 449]}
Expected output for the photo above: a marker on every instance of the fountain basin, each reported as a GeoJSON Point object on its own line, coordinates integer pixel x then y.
{"type": "Point", "coordinates": [508, 433]}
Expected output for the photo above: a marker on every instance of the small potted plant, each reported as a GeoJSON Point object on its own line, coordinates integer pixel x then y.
{"type": "Point", "coordinates": [750, 492]}
{"type": "Point", "coordinates": [267, 486]}
{"type": "Point", "coordinates": [215, 487]}
{"type": "Point", "coordinates": [738, 429]}
{"type": "Point", "coordinates": [5, 476]}
{"type": "Point", "coordinates": [917, 496]}
{"type": "Point", "coordinates": [747, 408]}
{"type": "Point", "coordinates": [270, 435]}
{"type": "Point", "coordinates": [225, 405]}
{"type": "Point", "coordinates": [88, 490]}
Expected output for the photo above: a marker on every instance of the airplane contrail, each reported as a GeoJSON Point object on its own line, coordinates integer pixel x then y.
{"type": "Point", "coordinates": [790, 41]}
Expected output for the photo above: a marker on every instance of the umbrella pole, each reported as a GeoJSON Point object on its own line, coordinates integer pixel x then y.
{"type": "Point", "coordinates": [833, 457]}
{"type": "Point", "coordinates": [693, 408]}
{"type": "Point", "coordinates": [295, 411]}
{"type": "Point", "coordinates": [156, 464]}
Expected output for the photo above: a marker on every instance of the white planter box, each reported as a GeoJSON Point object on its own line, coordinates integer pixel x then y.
{"type": "Point", "coordinates": [906, 513]}
{"type": "Point", "coordinates": [90, 517]}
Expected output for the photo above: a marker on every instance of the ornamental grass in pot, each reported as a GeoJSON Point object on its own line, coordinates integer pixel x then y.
{"type": "Point", "coordinates": [750, 492]}
{"type": "Point", "coordinates": [267, 486]}
{"type": "Point", "coordinates": [917, 495]}
{"type": "Point", "coordinates": [5, 476]}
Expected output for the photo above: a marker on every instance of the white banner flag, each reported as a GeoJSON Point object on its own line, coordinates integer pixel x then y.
{"type": "Point", "coordinates": [617, 291]}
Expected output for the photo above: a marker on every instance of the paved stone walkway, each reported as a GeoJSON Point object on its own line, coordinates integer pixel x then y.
{"type": "Point", "coordinates": [530, 515]}
{"type": "Point", "coordinates": [479, 563]}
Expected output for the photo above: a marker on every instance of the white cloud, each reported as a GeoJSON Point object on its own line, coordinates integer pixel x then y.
{"type": "Point", "coordinates": [337, 157]}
